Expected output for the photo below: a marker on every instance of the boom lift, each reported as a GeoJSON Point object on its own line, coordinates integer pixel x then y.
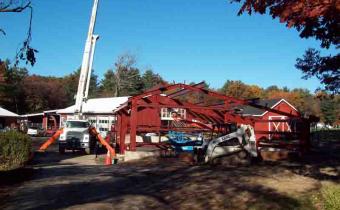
{"type": "Point", "coordinates": [86, 67]}
{"type": "Point", "coordinates": [77, 133]}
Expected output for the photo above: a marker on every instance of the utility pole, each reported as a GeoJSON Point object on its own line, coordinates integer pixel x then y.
{"type": "Point", "coordinates": [85, 73]}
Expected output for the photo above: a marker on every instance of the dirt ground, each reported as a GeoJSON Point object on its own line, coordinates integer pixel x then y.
{"type": "Point", "coordinates": [77, 181]}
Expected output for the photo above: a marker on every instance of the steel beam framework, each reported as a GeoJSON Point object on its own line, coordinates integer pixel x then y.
{"type": "Point", "coordinates": [214, 117]}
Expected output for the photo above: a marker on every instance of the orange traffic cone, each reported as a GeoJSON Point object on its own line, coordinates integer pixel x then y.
{"type": "Point", "coordinates": [108, 160]}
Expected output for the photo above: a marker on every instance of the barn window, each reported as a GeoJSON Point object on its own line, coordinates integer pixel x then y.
{"type": "Point", "coordinates": [166, 113]}
{"type": "Point", "coordinates": [103, 129]}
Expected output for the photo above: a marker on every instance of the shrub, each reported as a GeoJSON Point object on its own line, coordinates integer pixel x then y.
{"type": "Point", "coordinates": [15, 149]}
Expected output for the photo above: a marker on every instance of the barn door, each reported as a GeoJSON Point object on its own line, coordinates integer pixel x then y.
{"type": "Point", "coordinates": [278, 126]}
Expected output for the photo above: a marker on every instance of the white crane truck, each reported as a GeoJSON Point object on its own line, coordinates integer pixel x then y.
{"type": "Point", "coordinates": [75, 134]}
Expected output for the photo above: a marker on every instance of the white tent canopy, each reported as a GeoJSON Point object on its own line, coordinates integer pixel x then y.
{"type": "Point", "coordinates": [97, 106]}
{"type": "Point", "coordinates": [6, 113]}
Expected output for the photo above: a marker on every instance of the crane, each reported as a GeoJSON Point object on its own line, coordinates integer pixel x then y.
{"type": "Point", "coordinates": [86, 66]}
{"type": "Point", "coordinates": [77, 134]}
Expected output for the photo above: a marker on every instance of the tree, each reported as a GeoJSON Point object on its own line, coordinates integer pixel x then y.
{"type": "Point", "coordinates": [233, 88]}
{"type": "Point", "coordinates": [108, 84]}
{"type": "Point", "coordinates": [44, 93]}
{"type": "Point", "coordinates": [71, 81]}
{"type": "Point", "coordinates": [272, 88]}
{"type": "Point", "coordinates": [25, 52]}
{"type": "Point", "coordinates": [328, 111]}
{"type": "Point", "coordinates": [11, 89]}
{"type": "Point", "coordinates": [325, 68]}
{"type": "Point", "coordinates": [337, 109]}
{"type": "Point", "coordinates": [151, 79]}
{"type": "Point", "coordinates": [312, 18]}
{"type": "Point", "coordinates": [125, 80]}
{"type": "Point", "coordinates": [253, 91]}
{"type": "Point", "coordinates": [238, 89]}
{"type": "Point", "coordinates": [3, 67]}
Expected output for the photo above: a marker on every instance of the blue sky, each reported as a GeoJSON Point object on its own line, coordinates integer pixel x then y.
{"type": "Point", "coordinates": [182, 40]}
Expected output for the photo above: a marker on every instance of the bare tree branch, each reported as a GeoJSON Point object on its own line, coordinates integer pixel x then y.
{"type": "Point", "coordinates": [7, 7]}
{"type": "Point", "coordinates": [26, 52]}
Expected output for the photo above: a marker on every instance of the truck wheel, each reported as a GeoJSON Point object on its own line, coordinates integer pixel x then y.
{"type": "Point", "coordinates": [61, 150]}
{"type": "Point", "coordinates": [87, 151]}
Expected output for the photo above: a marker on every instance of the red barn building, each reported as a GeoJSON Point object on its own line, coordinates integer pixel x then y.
{"type": "Point", "coordinates": [274, 122]}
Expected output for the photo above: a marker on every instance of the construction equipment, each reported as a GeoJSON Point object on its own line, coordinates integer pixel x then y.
{"type": "Point", "coordinates": [182, 142]}
{"type": "Point", "coordinates": [50, 140]}
{"type": "Point", "coordinates": [76, 136]}
{"type": "Point", "coordinates": [241, 141]}
{"type": "Point", "coordinates": [77, 133]}
{"type": "Point", "coordinates": [86, 67]}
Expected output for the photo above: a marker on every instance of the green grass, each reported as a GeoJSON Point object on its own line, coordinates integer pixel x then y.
{"type": "Point", "coordinates": [330, 196]}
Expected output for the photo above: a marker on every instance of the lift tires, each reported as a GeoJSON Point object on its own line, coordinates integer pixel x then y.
{"type": "Point", "coordinates": [61, 150]}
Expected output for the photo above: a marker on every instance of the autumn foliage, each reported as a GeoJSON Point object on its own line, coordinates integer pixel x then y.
{"type": "Point", "coordinates": [320, 104]}
{"type": "Point", "coordinates": [317, 19]}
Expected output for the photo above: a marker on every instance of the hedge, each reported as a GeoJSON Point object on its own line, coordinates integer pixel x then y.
{"type": "Point", "coordinates": [15, 150]}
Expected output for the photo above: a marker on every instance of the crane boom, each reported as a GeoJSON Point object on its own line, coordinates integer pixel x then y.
{"type": "Point", "coordinates": [86, 63]}
{"type": "Point", "coordinates": [93, 47]}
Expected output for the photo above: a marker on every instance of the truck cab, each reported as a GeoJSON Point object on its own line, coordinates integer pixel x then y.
{"type": "Point", "coordinates": [76, 136]}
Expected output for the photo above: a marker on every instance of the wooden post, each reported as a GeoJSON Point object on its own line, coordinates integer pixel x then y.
{"type": "Point", "coordinates": [122, 133]}
{"type": "Point", "coordinates": [133, 125]}
{"type": "Point", "coordinates": [118, 126]}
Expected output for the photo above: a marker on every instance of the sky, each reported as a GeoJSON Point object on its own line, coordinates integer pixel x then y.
{"type": "Point", "coordinates": [182, 40]}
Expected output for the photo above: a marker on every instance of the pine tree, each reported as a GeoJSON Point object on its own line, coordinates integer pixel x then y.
{"type": "Point", "coordinates": [150, 79]}
{"type": "Point", "coordinates": [328, 111]}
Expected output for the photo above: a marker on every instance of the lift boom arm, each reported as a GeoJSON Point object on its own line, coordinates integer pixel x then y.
{"type": "Point", "coordinates": [86, 67]}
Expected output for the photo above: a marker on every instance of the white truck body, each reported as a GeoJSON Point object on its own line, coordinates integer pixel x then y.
{"type": "Point", "coordinates": [75, 136]}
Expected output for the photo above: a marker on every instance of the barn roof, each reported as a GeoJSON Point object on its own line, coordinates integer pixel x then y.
{"type": "Point", "coordinates": [32, 114]}
{"type": "Point", "coordinates": [6, 113]}
{"type": "Point", "coordinates": [98, 105]}
{"type": "Point", "coordinates": [270, 103]}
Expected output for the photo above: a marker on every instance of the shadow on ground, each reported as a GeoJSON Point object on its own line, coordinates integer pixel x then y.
{"type": "Point", "coordinates": [170, 184]}
{"type": "Point", "coordinates": [165, 187]}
